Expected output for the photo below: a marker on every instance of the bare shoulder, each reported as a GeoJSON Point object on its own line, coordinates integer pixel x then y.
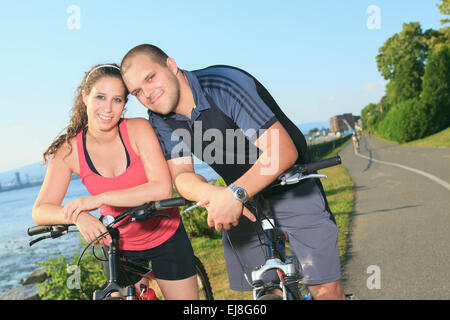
{"type": "Point", "coordinates": [67, 155]}
{"type": "Point", "coordinates": [138, 127]}
{"type": "Point", "coordinates": [137, 124]}
{"type": "Point", "coordinates": [141, 134]}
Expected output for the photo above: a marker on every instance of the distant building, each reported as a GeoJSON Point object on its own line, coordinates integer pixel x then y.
{"type": "Point", "coordinates": [18, 181]}
{"type": "Point", "coordinates": [343, 122]}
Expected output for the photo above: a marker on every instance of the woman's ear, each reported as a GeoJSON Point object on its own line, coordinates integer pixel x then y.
{"type": "Point", "coordinates": [83, 94]}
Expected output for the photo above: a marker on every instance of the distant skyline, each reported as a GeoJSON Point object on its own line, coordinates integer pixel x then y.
{"type": "Point", "coordinates": [317, 58]}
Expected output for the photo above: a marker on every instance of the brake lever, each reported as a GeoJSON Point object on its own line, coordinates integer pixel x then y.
{"type": "Point", "coordinates": [161, 215]}
{"type": "Point", "coordinates": [297, 177]}
{"type": "Point", "coordinates": [53, 234]}
{"type": "Point", "coordinates": [314, 175]}
{"type": "Point", "coordinates": [39, 239]}
{"type": "Point", "coordinates": [146, 216]}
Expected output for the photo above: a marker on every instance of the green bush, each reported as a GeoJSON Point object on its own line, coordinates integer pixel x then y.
{"type": "Point", "coordinates": [436, 89]}
{"type": "Point", "coordinates": [69, 283]}
{"type": "Point", "coordinates": [406, 121]}
{"type": "Point", "coordinates": [318, 150]}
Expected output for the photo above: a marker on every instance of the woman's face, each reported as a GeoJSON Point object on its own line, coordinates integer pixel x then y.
{"type": "Point", "coordinates": [105, 103]}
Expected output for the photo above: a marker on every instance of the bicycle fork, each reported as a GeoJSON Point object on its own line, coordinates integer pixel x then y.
{"type": "Point", "coordinates": [274, 256]}
{"type": "Point", "coordinates": [112, 285]}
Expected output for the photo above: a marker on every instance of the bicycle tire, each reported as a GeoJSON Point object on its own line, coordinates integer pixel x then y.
{"type": "Point", "coordinates": [112, 298]}
{"type": "Point", "coordinates": [270, 297]}
{"type": "Point", "coordinates": [205, 290]}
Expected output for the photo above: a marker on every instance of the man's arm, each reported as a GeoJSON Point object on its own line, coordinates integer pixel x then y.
{"type": "Point", "coordinates": [188, 184]}
{"type": "Point", "coordinates": [279, 153]}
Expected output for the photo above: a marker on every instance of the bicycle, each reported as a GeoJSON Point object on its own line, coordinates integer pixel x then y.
{"type": "Point", "coordinates": [291, 284]}
{"type": "Point", "coordinates": [140, 213]}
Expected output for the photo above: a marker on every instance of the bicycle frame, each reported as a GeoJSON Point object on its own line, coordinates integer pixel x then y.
{"type": "Point", "coordinates": [113, 286]}
{"type": "Point", "coordinates": [275, 258]}
{"type": "Point", "coordinates": [141, 213]}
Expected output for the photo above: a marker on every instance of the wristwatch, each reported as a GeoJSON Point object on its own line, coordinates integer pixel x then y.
{"type": "Point", "coordinates": [239, 193]}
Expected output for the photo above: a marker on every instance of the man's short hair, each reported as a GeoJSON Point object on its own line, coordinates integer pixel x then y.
{"type": "Point", "coordinates": [153, 52]}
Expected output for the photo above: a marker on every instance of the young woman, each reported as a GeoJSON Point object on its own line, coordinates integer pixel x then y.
{"type": "Point", "coordinates": [121, 164]}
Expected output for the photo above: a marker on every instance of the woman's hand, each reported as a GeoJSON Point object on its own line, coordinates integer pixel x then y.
{"type": "Point", "coordinates": [74, 208]}
{"type": "Point", "coordinates": [91, 227]}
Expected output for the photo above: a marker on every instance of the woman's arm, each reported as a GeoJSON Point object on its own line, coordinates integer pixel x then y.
{"type": "Point", "coordinates": [47, 207]}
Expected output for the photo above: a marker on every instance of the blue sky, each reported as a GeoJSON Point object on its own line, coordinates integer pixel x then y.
{"type": "Point", "coordinates": [317, 58]}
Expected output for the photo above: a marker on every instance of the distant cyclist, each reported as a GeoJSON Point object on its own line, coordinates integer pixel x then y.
{"type": "Point", "coordinates": [121, 164]}
{"type": "Point", "coordinates": [355, 140]}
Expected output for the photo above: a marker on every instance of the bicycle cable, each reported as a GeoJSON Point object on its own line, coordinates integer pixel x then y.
{"type": "Point", "coordinates": [87, 247]}
{"type": "Point", "coordinates": [262, 243]}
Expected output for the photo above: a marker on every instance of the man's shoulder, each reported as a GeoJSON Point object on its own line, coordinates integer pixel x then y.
{"type": "Point", "coordinates": [222, 71]}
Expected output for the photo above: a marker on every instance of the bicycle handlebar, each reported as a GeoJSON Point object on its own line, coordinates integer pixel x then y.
{"type": "Point", "coordinates": [300, 172]}
{"type": "Point", "coordinates": [47, 228]}
{"type": "Point", "coordinates": [140, 213]}
{"type": "Point", "coordinates": [147, 210]}
{"type": "Point", "coordinates": [171, 203]}
{"type": "Point", "coordinates": [322, 164]}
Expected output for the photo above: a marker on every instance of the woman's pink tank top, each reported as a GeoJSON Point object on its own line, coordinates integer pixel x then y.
{"type": "Point", "coordinates": [136, 235]}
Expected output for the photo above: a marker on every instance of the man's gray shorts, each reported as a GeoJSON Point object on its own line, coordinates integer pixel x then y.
{"type": "Point", "coordinates": [303, 214]}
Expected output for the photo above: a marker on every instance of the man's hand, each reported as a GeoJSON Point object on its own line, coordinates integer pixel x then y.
{"type": "Point", "coordinates": [224, 210]}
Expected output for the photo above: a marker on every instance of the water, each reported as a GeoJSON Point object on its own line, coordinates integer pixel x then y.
{"type": "Point", "coordinates": [17, 258]}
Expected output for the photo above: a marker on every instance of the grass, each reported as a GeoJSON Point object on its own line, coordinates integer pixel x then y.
{"type": "Point", "coordinates": [339, 190]}
{"type": "Point", "coordinates": [440, 139]}
{"type": "Point", "coordinates": [210, 252]}
{"type": "Point", "coordinates": [340, 195]}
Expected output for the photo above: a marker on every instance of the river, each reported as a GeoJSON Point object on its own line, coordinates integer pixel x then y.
{"type": "Point", "coordinates": [17, 258]}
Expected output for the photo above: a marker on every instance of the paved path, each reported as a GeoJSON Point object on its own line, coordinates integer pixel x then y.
{"type": "Point", "coordinates": [400, 238]}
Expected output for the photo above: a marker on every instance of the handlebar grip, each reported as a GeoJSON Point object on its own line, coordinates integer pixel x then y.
{"type": "Point", "coordinates": [171, 203]}
{"type": "Point", "coordinates": [322, 164]}
{"type": "Point", "coordinates": [38, 230]}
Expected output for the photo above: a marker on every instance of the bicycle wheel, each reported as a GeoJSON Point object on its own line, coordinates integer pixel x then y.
{"type": "Point", "coordinates": [204, 286]}
{"type": "Point", "coordinates": [270, 297]}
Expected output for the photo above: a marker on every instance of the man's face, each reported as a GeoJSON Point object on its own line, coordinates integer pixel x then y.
{"type": "Point", "coordinates": [154, 85]}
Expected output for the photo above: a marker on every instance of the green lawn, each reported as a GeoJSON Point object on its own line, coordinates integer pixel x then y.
{"type": "Point", "coordinates": [437, 140]}
{"type": "Point", "coordinates": [440, 139]}
{"type": "Point", "coordinates": [339, 190]}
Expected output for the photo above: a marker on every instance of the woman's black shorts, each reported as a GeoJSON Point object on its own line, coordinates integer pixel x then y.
{"type": "Point", "coordinates": [171, 260]}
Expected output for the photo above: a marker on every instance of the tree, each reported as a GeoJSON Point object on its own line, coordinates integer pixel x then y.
{"type": "Point", "coordinates": [444, 8]}
{"type": "Point", "coordinates": [436, 38]}
{"type": "Point", "coordinates": [436, 88]}
{"type": "Point", "coordinates": [369, 116]}
{"type": "Point", "coordinates": [312, 132]}
{"type": "Point", "coordinates": [407, 81]}
{"type": "Point", "coordinates": [409, 42]}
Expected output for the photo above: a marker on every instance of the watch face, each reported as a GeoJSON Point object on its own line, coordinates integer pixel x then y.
{"type": "Point", "coordinates": [107, 220]}
{"type": "Point", "coordinates": [240, 193]}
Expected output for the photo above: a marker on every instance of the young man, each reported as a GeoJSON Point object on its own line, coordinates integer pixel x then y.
{"type": "Point", "coordinates": [226, 118]}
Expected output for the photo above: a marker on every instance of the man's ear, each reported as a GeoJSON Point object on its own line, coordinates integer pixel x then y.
{"type": "Point", "coordinates": [172, 65]}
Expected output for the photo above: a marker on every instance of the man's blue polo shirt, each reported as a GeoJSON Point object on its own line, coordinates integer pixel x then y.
{"type": "Point", "coordinates": [231, 111]}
